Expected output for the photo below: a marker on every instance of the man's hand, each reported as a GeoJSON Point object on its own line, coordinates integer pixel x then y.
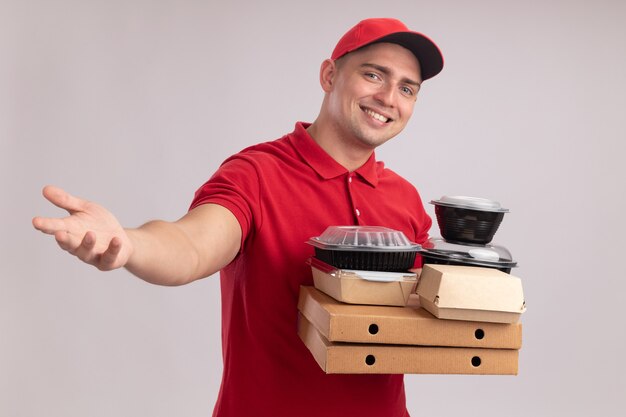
{"type": "Point", "coordinates": [90, 232]}
{"type": "Point", "coordinates": [197, 245]}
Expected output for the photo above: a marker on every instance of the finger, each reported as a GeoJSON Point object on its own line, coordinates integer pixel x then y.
{"type": "Point", "coordinates": [109, 257]}
{"type": "Point", "coordinates": [49, 225]}
{"type": "Point", "coordinates": [67, 241]}
{"type": "Point", "coordinates": [63, 199]}
{"type": "Point", "coordinates": [85, 250]}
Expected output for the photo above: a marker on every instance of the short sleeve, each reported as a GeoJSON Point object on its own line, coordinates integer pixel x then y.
{"type": "Point", "coordinates": [235, 186]}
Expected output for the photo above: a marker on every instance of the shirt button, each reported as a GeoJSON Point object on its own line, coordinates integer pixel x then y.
{"type": "Point", "coordinates": [349, 179]}
{"type": "Point", "coordinates": [358, 213]}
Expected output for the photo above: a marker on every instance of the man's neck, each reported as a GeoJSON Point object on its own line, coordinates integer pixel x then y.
{"type": "Point", "coordinates": [347, 155]}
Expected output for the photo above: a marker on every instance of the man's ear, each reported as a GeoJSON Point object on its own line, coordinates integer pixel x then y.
{"type": "Point", "coordinates": [328, 72]}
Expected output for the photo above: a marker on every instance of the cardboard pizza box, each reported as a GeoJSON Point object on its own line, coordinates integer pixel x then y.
{"type": "Point", "coordinates": [410, 325]}
{"type": "Point", "coordinates": [358, 358]}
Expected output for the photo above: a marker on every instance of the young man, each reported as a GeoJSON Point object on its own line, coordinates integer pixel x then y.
{"type": "Point", "coordinates": [251, 219]}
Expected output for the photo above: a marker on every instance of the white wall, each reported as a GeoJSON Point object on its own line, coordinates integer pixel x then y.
{"type": "Point", "coordinates": [135, 103]}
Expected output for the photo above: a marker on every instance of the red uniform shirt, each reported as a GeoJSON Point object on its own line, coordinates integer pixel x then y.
{"type": "Point", "coordinates": [284, 192]}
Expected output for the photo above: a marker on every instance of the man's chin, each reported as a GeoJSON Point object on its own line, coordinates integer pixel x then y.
{"type": "Point", "coordinates": [377, 139]}
{"type": "Point", "coordinates": [373, 143]}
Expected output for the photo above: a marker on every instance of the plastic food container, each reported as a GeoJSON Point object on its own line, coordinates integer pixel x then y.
{"type": "Point", "coordinates": [369, 248]}
{"type": "Point", "coordinates": [439, 251]}
{"type": "Point", "coordinates": [363, 287]}
{"type": "Point", "coordinates": [468, 219]}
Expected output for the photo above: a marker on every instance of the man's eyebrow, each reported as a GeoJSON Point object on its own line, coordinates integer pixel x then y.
{"type": "Point", "coordinates": [387, 71]}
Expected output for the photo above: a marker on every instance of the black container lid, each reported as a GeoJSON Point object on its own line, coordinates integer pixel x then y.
{"type": "Point", "coordinates": [478, 255]}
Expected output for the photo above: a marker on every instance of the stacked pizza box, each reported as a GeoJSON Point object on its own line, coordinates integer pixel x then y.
{"type": "Point", "coordinates": [443, 319]}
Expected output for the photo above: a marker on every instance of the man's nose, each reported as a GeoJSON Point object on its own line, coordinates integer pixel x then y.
{"type": "Point", "coordinates": [385, 95]}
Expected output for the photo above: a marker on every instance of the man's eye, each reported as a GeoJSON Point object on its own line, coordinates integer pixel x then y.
{"type": "Point", "coordinates": [372, 76]}
{"type": "Point", "coordinates": [408, 91]}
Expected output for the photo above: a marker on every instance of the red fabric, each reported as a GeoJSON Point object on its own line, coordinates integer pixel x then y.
{"type": "Point", "coordinates": [284, 192]}
{"type": "Point", "coordinates": [373, 30]}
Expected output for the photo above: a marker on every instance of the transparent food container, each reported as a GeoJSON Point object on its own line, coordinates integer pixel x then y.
{"type": "Point", "coordinates": [471, 220]}
{"type": "Point", "coordinates": [439, 251]}
{"type": "Point", "coordinates": [370, 248]}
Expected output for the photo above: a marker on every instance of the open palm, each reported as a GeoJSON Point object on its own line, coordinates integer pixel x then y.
{"type": "Point", "coordinates": [90, 232]}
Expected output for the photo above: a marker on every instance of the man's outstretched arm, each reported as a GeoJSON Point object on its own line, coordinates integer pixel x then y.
{"type": "Point", "coordinates": [197, 245]}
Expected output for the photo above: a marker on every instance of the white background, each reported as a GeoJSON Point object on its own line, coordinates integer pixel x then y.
{"type": "Point", "coordinates": [135, 103]}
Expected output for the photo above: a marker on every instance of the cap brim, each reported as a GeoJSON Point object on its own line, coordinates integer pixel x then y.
{"type": "Point", "coordinates": [425, 50]}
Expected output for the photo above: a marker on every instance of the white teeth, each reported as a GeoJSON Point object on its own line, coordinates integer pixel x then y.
{"type": "Point", "coordinates": [376, 116]}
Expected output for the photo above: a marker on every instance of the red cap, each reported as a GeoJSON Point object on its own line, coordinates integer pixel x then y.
{"type": "Point", "coordinates": [370, 31]}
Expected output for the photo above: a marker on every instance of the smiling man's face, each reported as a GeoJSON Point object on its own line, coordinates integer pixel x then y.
{"type": "Point", "coordinates": [373, 93]}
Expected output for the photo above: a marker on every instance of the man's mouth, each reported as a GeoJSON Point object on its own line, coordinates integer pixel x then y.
{"type": "Point", "coordinates": [376, 116]}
